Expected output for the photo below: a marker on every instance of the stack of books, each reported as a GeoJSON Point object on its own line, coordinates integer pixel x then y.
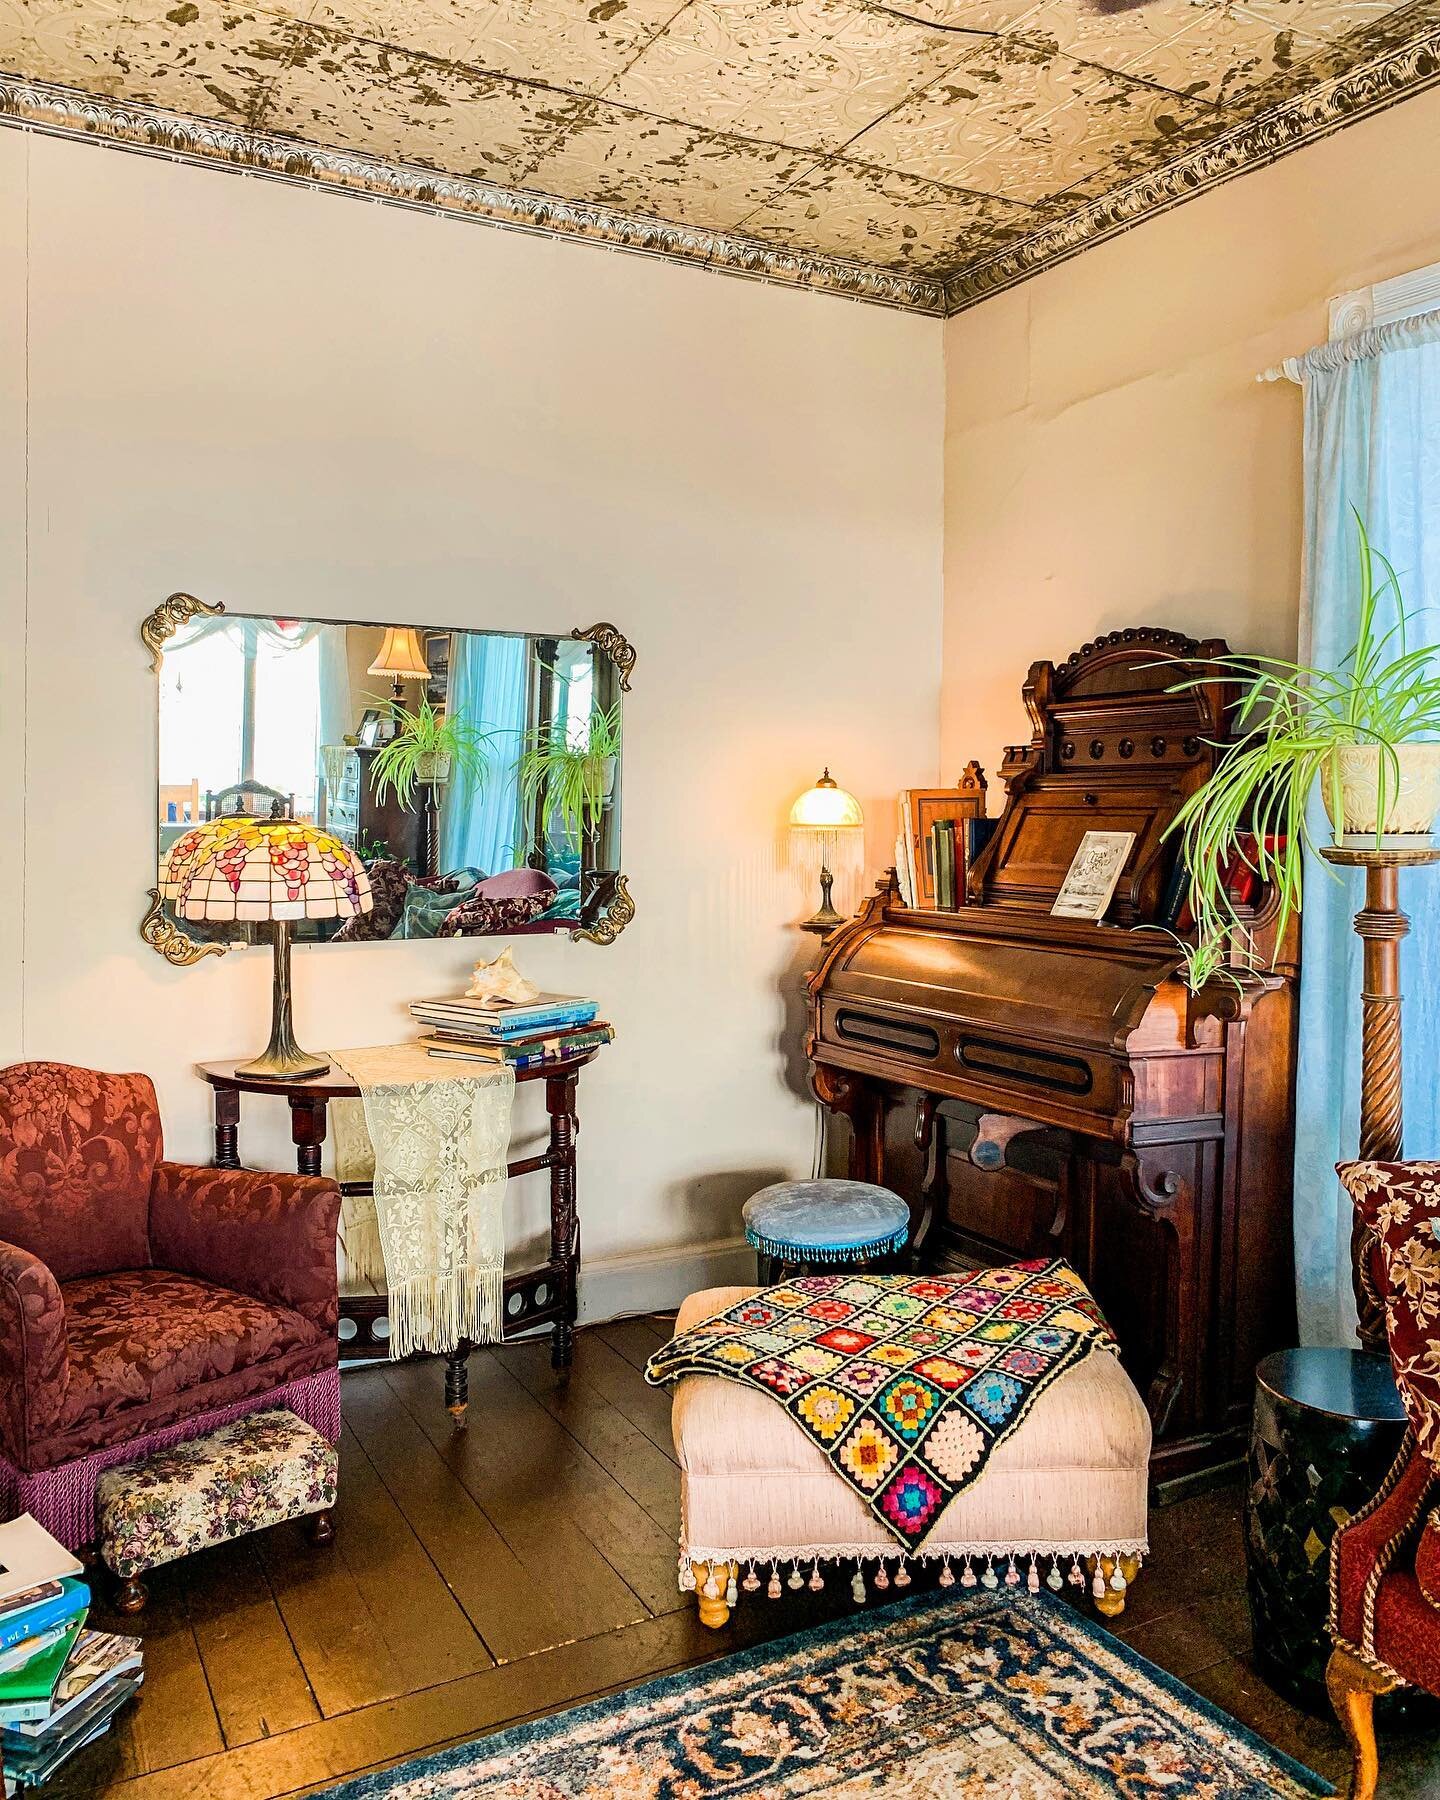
{"type": "Point", "coordinates": [60, 1685]}
{"type": "Point", "coordinates": [548, 1028]}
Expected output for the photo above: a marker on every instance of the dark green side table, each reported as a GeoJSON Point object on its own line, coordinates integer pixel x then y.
{"type": "Point", "coordinates": [1327, 1426]}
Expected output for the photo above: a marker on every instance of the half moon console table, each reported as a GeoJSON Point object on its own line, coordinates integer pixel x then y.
{"type": "Point", "coordinates": [538, 1296]}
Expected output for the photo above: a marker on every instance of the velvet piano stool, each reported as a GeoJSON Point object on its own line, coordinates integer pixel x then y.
{"type": "Point", "coordinates": [811, 1227]}
{"type": "Point", "coordinates": [1062, 1499]}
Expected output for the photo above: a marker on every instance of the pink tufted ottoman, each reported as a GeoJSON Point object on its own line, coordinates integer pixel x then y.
{"type": "Point", "coordinates": [1063, 1498]}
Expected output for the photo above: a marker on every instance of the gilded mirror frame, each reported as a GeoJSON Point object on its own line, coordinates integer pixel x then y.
{"type": "Point", "coordinates": [169, 939]}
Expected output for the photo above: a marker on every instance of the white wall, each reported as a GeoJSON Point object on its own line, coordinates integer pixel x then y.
{"type": "Point", "coordinates": [304, 404]}
{"type": "Point", "coordinates": [1110, 459]}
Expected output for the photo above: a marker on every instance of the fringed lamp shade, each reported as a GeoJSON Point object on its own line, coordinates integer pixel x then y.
{"type": "Point", "coordinates": [274, 870]}
{"type": "Point", "coordinates": [401, 655]}
{"type": "Point", "coordinates": [831, 814]}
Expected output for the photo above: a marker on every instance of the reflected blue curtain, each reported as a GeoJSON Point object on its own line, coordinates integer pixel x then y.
{"type": "Point", "coordinates": [488, 688]}
{"type": "Point", "coordinates": [1372, 440]}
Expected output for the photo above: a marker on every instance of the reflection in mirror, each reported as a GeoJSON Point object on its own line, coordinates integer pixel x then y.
{"type": "Point", "coordinates": [476, 774]}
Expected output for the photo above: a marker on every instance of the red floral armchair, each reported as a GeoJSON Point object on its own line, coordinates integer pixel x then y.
{"type": "Point", "coordinates": [1385, 1562]}
{"type": "Point", "coordinates": [143, 1301]}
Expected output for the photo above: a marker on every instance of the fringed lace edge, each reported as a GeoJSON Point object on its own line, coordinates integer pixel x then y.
{"type": "Point", "coordinates": [435, 1312]}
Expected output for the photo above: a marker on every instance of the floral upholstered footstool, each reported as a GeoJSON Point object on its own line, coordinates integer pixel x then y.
{"type": "Point", "coordinates": [259, 1471]}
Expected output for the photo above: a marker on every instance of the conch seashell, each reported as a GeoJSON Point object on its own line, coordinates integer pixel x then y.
{"type": "Point", "coordinates": [500, 982]}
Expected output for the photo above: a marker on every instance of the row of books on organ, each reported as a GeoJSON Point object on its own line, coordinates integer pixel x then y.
{"type": "Point", "coordinates": [61, 1685]}
{"type": "Point", "coordinates": [548, 1028]}
{"type": "Point", "coordinates": [942, 832]}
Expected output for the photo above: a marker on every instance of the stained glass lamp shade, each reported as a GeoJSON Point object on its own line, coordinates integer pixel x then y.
{"type": "Point", "coordinates": [275, 870]}
{"type": "Point", "coordinates": [828, 810]}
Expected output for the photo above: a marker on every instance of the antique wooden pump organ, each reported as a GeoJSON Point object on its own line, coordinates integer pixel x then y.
{"type": "Point", "coordinates": [1041, 1086]}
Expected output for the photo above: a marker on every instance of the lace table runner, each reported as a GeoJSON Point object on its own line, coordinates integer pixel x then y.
{"type": "Point", "coordinates": [906, 1382]}
{"type": "Point", "coordinates": [439, 1144]}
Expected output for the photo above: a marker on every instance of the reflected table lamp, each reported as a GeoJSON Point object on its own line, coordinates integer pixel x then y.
{"type": "Point", "coordinates": [827, 811]}
{"type": "Point", "coordinates": [275, 871]}
{"type": "Point", "coordinates": [403, 660]}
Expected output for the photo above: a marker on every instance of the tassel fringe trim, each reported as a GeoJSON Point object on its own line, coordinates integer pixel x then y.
{"type": "Point", "coordinates": [826, 1253]}
{"type": "Point", "coordinates": [980, 1565]}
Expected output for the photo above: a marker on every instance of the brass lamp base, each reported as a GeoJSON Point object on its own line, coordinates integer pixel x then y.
{"type": "Point", "coordinates": [282, 1058]}
{"type": "Point", "coordinates": [826, 918]}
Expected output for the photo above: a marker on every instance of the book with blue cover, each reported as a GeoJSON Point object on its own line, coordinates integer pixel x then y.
{"type": "Point", "coordinates": [25, 1630]}
{"type": "Point", "coordinates": [497, 1024]}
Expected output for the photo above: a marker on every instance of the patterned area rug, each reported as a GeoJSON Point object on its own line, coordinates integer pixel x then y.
{"type": "Point", "coordinates": [986, 1697]}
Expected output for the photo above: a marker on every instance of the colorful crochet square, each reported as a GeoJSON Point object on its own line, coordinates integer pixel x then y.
{"type": "Point", "coordinates": [907, 1383]}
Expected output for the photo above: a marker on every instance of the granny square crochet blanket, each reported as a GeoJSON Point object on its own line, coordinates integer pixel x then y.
{"type": "Point", "coordinates": [906, 1382]}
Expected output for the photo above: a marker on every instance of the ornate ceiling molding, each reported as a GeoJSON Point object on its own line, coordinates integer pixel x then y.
{"type": "Point", "coordinates": [1395, 75]}
{"type": "Point", "coordinates": [64, 112]}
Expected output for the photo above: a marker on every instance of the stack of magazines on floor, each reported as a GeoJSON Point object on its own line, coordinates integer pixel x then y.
{"type": "Point", "coordinates": [60, 1685]}
{"type": "Point", "coordinates": [548, 1028]}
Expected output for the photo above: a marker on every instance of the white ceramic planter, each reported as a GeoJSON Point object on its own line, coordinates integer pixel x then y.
{"type": "Point", "coordinates": [434, 768]}
{"type": "Point", "coordinates": [1410, 813]}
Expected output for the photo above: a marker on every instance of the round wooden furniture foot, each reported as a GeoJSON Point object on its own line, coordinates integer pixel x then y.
{"type": "Point", "coordinates": [1352, 1686]}
{"type": "Point", "coordinates": [131, 1595]}
{"type": "Point", "coordinates": [712, 1583]}
{"type": "Point", "coordinates": [320, 1529]}
{"type": "Point", "coordinates": [1111, 1603]}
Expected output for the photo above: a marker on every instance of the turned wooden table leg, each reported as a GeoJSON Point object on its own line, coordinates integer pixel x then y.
{"type": "Point", "coordinates": [227, 1128]}
{"type": "Point", "coordinates": [457, 1383]}
{"type": "Point", "coordinates": [307, 1131]}
{"type": "Point", "coordinates": [564, 1248]}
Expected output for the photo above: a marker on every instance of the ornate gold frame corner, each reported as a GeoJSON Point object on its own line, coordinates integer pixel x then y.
{"type": "Point", "coordinates": [617, 916]}
{"type": "Point", "coordinates": [610, 641]}
{"type": "Point", "coordinates": [158, 627]}
{"type": "Point", "coordinates": [166, 938]}
{"type": "Point", "coordinates": [163, 935]}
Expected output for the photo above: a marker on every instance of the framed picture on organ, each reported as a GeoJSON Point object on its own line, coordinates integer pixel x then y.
{"type": "Point", "coordinates": [1093, 875]}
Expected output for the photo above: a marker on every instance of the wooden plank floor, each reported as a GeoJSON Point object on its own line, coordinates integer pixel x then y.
{"type": "Point", "coordinates": [522, 1566]}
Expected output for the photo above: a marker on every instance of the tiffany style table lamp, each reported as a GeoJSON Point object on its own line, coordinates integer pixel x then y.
{"type": "Point", "coordinates": [275, 871]}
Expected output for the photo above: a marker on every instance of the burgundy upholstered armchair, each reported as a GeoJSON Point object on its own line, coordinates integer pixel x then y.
{"type": "Point", "coordinates": [141, 1301]}
{"type": "Point", "coordinates": [1385, 1561]}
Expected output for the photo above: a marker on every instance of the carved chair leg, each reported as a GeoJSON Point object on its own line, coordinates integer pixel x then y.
{"type": "Point", "coordinates": [130, 1596]}
{"type": "Point", "coordinates": [1352, 1687]}
{"type": "Point", "coordinates": [712, 1582]}
{"type": "Point", "coordinates": [1110, 1602]}
{"type": "Point", "coordinates": [320, 1529]}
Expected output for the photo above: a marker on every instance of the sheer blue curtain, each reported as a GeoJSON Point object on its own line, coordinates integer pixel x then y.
{"type": "Point", "coordinates": [488, 686]}
{"type": "Point", "coordinates": [1372, 441]}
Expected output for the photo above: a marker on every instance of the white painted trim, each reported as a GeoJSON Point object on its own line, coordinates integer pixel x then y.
{"type": "Point", "coordinates": [615, 1287]}
{"type": "Point", "coordinates": [1402, 297]}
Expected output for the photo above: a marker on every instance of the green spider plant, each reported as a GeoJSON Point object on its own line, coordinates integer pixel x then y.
{"type": "Point", "coordinates": [425, 737]}
{"type": "Point", "coordinates": [1292, 720]}
{"type": "Point", "coordinates": [572, 776]}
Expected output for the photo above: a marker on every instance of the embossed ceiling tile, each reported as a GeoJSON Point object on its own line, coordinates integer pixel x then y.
{"type": "Point", "coordinates": [1108, 129]}
{"type": "Point", "coordinates": [350, 94]}
{"type": "Point", "coordinates": [662, 168]}
{"type": "Point", "coordinates": [835, 89]}
{"type": "Point", "coordinates": [68, 41]}
{"type": "Point", "coordinates": [1226, 67]}
{"type": "Point", "coordinates": [973, 114]}
{"type": "Point", "coordinates": [766, 38]}
{"type": "Point", "coordinates": [680, 78]}
{"type": "Point", "coordinates": [201, 56]}
{"type": "Point", "coordinates": [578, 44]}
{"type": "Point", "coordinates": [982, 17]}
{"type": "Point", "coordinates": [1322, 18]}
{"type": "Point", "coordinates": [879, 217]}
{"type": "Point", "coordinates": [1113, 38]}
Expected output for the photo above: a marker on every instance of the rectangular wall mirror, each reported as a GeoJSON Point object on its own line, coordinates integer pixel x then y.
{"type": "Point", "coordinates": [475, 773]}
